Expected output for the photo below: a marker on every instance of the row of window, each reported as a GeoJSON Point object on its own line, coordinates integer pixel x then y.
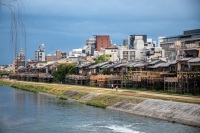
{"type": "Point", "coordinates": [179, 38]}
{"type": "Point", "coordinates": [131, 58]}
{"type": "Point", "coordinates": [37, 53]}
{"type": "Point", "coordinates": [126, 52]}
{"type": "Point", "coordinates": [167, 45]}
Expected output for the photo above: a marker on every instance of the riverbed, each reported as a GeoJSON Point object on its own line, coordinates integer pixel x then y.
{"type": "Point", "coordinates": [23, 111]}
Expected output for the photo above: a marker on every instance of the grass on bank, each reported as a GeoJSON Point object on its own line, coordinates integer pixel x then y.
{"type": "Point", "coordinates": [46, 89]}
{"type": "Point", "coordinates": [32, 87]}
{"type": "Point", "coordinates": [178, 93]}
{"type": "Point", "coordinates": [60, 89]}
{"type": "Point", "coordinates": [5, 83]}
{"type": "Point", "coordinates": [104, 101]}
{"type": "Point", "coordinates": [62, 97]}
{"type": "Point", "coordinates": [79, 95]}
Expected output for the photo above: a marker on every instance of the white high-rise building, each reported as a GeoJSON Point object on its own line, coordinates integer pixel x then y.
{"type": "Point", "coordinates": [40, 54]}
{"type": "Point", "coordinates": [140, 48]}
{"type": "Point", "coordinates": [160, 39]}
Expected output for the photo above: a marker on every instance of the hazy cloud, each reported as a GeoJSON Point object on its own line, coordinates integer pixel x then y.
{"type": "Point", "coordinates": [66, 24]}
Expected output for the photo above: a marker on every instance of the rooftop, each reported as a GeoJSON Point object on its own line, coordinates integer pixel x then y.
{"type": "Point", "coordinates": [194, 60]}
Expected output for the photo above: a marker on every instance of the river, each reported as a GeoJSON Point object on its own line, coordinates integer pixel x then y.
{"type": "Point", "coordinates": [28, 112]}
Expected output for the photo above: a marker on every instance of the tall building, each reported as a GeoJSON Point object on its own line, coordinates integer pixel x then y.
{"type": "Point", "coordinates": [91, 41]}
{"type": "Point", "coordinates": [19, 61]}
{"type": "Point", "coordinates": [40, 54]}
{"type": "Point", "coordinates": [174, 45]}
{"type": "Point", "coordinates": [160, 39]}
{"type": "Point", "coordinates": [22, 56]}
{"type": "Point", "coordinates": [102, 41]}
{"type": "Point", "coordinates": [133, 38]}
{"type": "Point", "coordinates": [139, 47]}
{"type": "Point", "coordinates": [90, 46]}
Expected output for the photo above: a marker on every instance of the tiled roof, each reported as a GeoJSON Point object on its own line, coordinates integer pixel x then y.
{"type": "Point", "coordinates": [131, 64]}
{"type": "Point", "coordinates": [84, 65]}
{"type": "Point", "coordinates": [99, 64]}
{"type": "Point", "coordinates": [197, 59]}
{"type": "Point", "coordinates": [119, 65]}
{"type": "Point", "coordinates": [114, 64]}
{"type": "Point", "coordinates": [105, 66]}
{"type": "Point", "coordinates": [154, 62]}
{"type": "Point", "coordinates": [160, 65]}
{"type": "Point", "coordinates": [173, 62]}
{"type": "Point", "coordinates": [139, 65]}
{"type": "Point", "coordinates": [111, 65]}
{"type": "Point", "coordinates": [185, 59]}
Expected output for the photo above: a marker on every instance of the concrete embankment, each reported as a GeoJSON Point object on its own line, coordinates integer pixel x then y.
{"type": "Point", "coordinates": [180, 112]}
{"type": "Point", "coordinates": [184, 113]}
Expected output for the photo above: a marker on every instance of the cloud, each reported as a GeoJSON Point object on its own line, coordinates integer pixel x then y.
{"type": "Point", "coordinates": [115, 8]}
{"type": "Point", "coordinates": [66, 24]}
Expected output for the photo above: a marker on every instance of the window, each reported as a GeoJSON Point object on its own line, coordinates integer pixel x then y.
{"type": "Point", "coordinates": [125, 52]}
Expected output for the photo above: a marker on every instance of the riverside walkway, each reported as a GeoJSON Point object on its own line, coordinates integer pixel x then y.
{"type": "Point", "coordinates": [121, 92]}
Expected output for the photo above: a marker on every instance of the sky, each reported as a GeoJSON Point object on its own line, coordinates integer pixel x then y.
{"type": "Point", "coordinates": [67, 24]}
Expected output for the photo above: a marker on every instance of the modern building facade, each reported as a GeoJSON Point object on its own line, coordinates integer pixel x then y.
{"type": "Point", "coordinates": [40, 54]}
{"type": "Point", "coordinates": [113, 52]}
{"type": "Point", "coordinates": [59, 55]}
{"type": "Point", "coordinates": [125, 54]}
{"type": "Point", "coordinates": [102, 41]}
{"type": "Point", "coordinates": [133, 38]}
{"type": "Point", "coordinates": [174, 45]}
{"type": "Point", "coordinates": [90, 46]}
{"type": "Point", "coordinates": [90, 41]}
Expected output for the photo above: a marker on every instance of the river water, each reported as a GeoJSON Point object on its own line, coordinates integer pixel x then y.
{"type": "Point", "coordinates": [28, 112]}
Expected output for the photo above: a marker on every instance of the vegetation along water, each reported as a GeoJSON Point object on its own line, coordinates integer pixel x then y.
{"type": "Point", "coordinates": [23, 112]}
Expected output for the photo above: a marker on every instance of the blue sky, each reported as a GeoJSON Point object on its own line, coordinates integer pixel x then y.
{"type": "Point", "coordinates": [66, 24]}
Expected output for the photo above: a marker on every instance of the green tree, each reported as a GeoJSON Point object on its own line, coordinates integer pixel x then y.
{"type": "Point", "coordinates": [102, 58]}
{"type": "Point", "coordinates": [105, 71]}
{"type": "Point", "coordinates": [5, 71]}
{"type": "Point", "coordinates": [62, 70]}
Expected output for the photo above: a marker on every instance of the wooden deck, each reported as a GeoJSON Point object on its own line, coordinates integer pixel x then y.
{"type": "Point", "coordinates": [77, 79]}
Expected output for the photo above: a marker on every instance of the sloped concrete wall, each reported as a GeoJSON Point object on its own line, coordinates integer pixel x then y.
{"type": "Point", "coordinates": [88, 97]}
{"type": "Point", "coordinates": [184, 113]}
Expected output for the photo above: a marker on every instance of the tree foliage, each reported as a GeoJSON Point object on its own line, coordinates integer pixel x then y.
{"type": "Point", "coordinates": [5, 71]}
{"type": "Point", "coordinates": [105, 71]}
{"type": "Point", "coordinates": [62, 70]}
{"type": "Point", "coordinates": [103, 58]}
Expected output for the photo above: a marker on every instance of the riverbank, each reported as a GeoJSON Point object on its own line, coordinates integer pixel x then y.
{"type": "Point", "coordinates": [140, 103]}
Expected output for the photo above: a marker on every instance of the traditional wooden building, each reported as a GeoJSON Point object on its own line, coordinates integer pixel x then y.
{"type": "Point", "coordinates": [194, 64]}
{"type": "Point", "coordinates": [183, 65]}
{"type": "Point", "coordinates": [83, 69]}
{"type": "Point", "coordinates": [95, 69]}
